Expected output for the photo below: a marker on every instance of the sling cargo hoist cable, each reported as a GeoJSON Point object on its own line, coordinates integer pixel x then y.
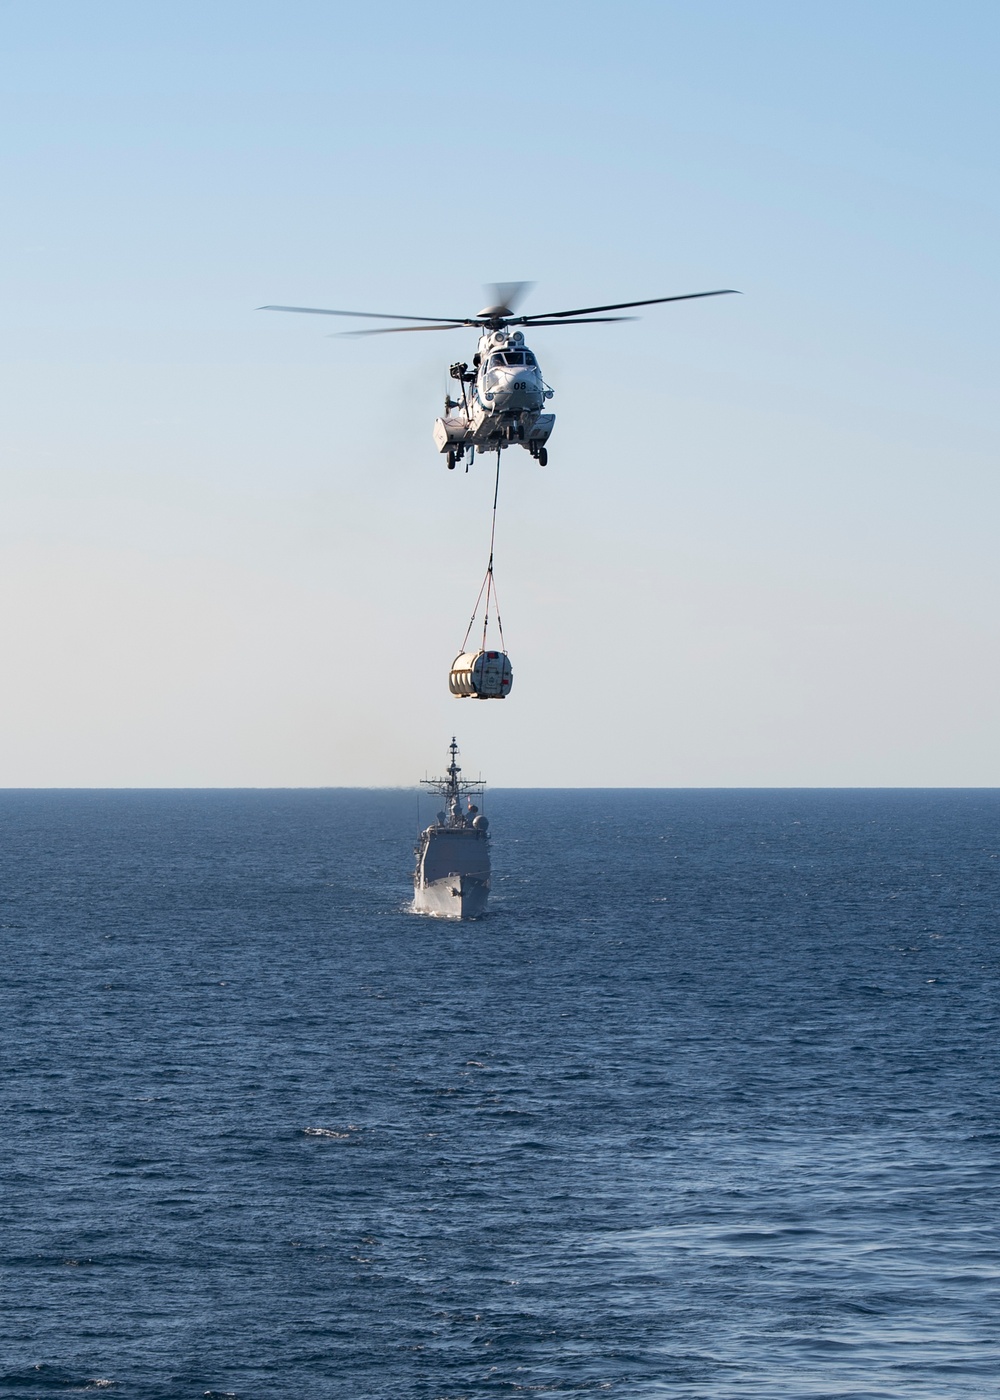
{"type": "Point", "coordinates": [484, 674]}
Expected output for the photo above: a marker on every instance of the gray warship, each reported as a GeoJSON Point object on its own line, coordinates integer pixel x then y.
{"type": "Point", "coordinates": [452, 875]}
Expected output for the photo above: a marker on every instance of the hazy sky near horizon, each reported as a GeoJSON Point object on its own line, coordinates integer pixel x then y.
{"type": "Point", "coordinates": [764, 550]}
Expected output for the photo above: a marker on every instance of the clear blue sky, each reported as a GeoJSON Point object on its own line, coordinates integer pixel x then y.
{"type": "Point", "coordinates": [764, 549]}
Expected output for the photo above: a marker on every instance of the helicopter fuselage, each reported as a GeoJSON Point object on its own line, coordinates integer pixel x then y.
{"type": "Point", "coordinates": [502, 401]}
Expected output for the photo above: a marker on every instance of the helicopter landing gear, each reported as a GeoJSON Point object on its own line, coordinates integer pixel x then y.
{"type": "Point", "coordinates": [540, 455]}
{"type": "Point", "coordinates": [451, 461]}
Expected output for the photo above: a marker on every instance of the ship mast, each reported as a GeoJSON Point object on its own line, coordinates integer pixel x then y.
{"type": "Point", "coordinates": [453, 769]}
{"type": "Point", "coordinates": [452, 787]}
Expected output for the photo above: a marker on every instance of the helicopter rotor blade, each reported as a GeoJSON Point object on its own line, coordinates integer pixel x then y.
{"type": "Point", "coordinates": [573, 321]}
{"type": "Point", "coordinates": [460, 325]}
{"type": "Point", "coordinates": [370, 315]}
{"type": "Point", "coordinates": [624, 305]}
{"type": "Point", "coordinates": [402, 330]}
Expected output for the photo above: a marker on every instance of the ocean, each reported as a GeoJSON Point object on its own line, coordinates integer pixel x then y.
{"type": "Point", "coordinates": [707, 1107]}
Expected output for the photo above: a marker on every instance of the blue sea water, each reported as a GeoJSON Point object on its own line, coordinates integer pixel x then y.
{"type": "Point", "coordinates": [706, 1107]}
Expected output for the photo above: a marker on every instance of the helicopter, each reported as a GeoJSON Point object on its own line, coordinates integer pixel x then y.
{"type": "Point", "coordinates": [503, 393]}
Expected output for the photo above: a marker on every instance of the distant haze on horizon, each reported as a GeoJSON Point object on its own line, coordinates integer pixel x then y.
{"type": "Point", "coordinates": [764, 550]}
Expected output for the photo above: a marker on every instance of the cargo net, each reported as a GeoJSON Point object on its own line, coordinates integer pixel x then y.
{"type": "Point", "coordinates": [488, 587]}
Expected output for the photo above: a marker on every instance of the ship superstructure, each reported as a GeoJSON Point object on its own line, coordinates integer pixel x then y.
{"type": "Point", "coordinates": [452, 875]}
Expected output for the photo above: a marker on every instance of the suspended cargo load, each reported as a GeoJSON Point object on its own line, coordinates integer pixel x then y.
{"type": "Point", "coordinates": [481, 675]}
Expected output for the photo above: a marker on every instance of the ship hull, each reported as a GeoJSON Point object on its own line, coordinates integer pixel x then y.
{"type": "Point", "coordinates": [452, 897]}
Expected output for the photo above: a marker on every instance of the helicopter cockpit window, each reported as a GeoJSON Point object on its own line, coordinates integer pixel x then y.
{"type": "Point", "coordinates": [512, 358]}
